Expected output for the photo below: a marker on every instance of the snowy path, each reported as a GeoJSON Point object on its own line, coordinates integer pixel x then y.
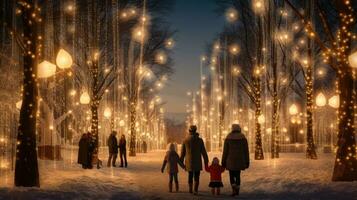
{"type": "Point", "coordinates": [290, 177]}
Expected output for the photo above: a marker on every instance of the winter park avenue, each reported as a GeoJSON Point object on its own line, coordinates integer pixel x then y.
{"type": "Point", "coordinates": [178, 99]}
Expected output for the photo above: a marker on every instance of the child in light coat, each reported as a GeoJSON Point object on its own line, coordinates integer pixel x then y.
{"type": "Point", "coordinates": [171, 162]}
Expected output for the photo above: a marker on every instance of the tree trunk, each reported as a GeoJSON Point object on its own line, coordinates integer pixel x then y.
{"type": "Point", "coordinates": [258, 155]}
{"type": "Point", "coordinates": [26, 169]}
{"type": "Point", "coordinates": [275, 128]}
{"type": "Point", "coordinates": [132, 149]}
{"type": "Point", "coordinates": [221, 124]}
{"type": "Point", "coordinates": [310, 149]}
{"type": "Point", "coordinates": [346, 163]}
{"type": "Point", "coordinates": [94, 125]}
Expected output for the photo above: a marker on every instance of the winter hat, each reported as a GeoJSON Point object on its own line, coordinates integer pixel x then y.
{"type": "Point", "coordinates": [215, 161]}
{"type": "Point", "coordinates": [236, 127]}
{"type": "Point", "coordinates": [193, 129]}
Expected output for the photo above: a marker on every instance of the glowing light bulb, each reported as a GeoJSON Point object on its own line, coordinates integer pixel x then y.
{"type": "Point", "coordinates": [231, 15]}
{"type": "Point", "coordinates": [107, 113]}
{"type": "Point", "coordinates": [320, 100]}
{"type": "Point", "coordinates": [85, 98]}
{"type": "Point", "coordinates": [334, 101]}
{"type": "Point", "coordinates": [64, 59]}
{"type": "Point", "coordinates": [261, 119]}
{"type": "Point", "coordinates": [352, 59]}
{"type": "Point", "coordinates": [19, 104]}
{"type": "Point", "coordinates": [293, 109]}
{"type": "Point", "coordinates": [46, 69]}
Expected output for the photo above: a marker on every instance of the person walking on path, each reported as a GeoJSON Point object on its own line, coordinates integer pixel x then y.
{"type": "Point", "coordinates": [113, 149]}
{"type": "Point", "coordinates": [192, 151]}
{"type": "Point", "coordinates": [215, 171]}
{"type": "Point", "coordinates": [172, 161]}
{"type": "Point", "coordinates": [83, 152]}
{"type": "Point", "coordinates": [235, 156]}
{"type": "Point", "coordinates": [122, 149]}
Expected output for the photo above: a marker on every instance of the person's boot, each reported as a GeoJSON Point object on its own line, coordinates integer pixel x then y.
{"type": "Point", "coordinates": [170, 187]}
{"type": "Point", "coordinates": [237, 190]}
{"type": "Point", "coordinates": [196, 188]}
{"type": "Point", "coordinates": [234, 191]}
{"type": "Point", "coordinates": [177, 187]}
{"type": "Point", "coordinates": [190, 187]}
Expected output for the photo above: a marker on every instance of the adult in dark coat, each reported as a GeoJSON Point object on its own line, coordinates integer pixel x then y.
{"type": "Point", "coordinates": [83, 151]}
{"type": "Point", "coordinates": [192, 151]}
{"type": "Point", "coordinates": [122, 149]}
{"type": "Point", "coordinates": [235, 156]}
{"type": "Point", "coordinates": [113, 149]}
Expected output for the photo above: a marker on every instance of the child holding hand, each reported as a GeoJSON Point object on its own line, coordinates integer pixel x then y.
{"type": "Point", "coordinates": [172, 161]}
{"type": "Point", "coordinates": [215, 171]}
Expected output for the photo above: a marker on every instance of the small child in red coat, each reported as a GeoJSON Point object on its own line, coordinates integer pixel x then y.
{"type": "Point", "coordinates": [215, 171]}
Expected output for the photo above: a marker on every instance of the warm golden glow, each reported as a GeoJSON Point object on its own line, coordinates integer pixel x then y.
{"type": "Point", "coordinates": [320, 100]}
{"type": "Point", "coordinates": [334, 101]}
{"type": "Point", "coordinates": [84, 99]}
{"type": "Point", "coordinates": [352, 59]}
{"type": "Point", "coordinates": [293, 109]}
{"type": "Point", "coordinates": [46, 69]}
{"type": "Point", "coordinates": [64, 59]}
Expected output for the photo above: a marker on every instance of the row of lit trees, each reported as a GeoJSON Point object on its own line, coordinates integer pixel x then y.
{"type": "Point", "coordinates": [270, 62]}
{"type": "Point", "coordinates": [90, 68]}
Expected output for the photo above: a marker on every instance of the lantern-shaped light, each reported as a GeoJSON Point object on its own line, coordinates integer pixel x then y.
{"type": "Point", "coordinates": [107, 113]}
{"type": "Point", "coordinates": [84, 99]}
{"type": "Point", "coordinates": [352, 59]}
{"type": "Point", "coordinates": [320, 100]}
{"type": "Point", "coordinates": [64, 59]}
{"type": "Point", "coordinates": [46, 69]}
{"type": "Point", "coordinates": [334, 101]}
{"type": "Point", "coordinates": [261, 119]}
{"type": "Point", "coordinates": [19, 104]}
{"type": "Point", "coordinates": [293, 110]}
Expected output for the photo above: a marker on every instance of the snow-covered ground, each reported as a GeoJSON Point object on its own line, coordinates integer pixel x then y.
{"type": "Point", "coordinates": [290, 177]}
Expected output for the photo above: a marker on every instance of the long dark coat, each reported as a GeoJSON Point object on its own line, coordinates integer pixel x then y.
{"type": "Point", "coordinates": [171, 162]}
{"type": "Point", "coordinates": [122, 144]}
{"type": "Point", "coordinates": [83, 151]}
{"type": "Point", "coordinates": [113, 144]}
{"type": "Point", "coordinates": [192, 149]}
{"type": "Point", "coordinates": [235, 152]}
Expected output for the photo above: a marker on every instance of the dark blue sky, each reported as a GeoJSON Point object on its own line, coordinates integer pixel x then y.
{"type": "Point", "coordinates": [197, 24]}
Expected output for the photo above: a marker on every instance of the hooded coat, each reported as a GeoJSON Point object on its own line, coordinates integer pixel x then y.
{"type": "Point", "coordinates": [171, 162]}
{"type": "Point", "coordinates": [83, 151]}
{"type": "Point", "coordinates": [235, 152]}
{"type": "Point", "coordinates": [192, 151]}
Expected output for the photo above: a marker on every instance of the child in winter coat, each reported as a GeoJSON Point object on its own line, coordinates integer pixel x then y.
{"type": "Point", "coordinates": [172, 160]}
{"type": "Point", "coordinates": [215, 171]}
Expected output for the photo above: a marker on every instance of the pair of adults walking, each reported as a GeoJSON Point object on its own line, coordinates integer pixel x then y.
{"type": "Point", "coordinates": [113, 147]}
{"type": "Point", "coordinates": [235, 157]}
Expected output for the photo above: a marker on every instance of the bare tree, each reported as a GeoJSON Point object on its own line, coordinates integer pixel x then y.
{"type": "Point", "coordinates": [336, 50]}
